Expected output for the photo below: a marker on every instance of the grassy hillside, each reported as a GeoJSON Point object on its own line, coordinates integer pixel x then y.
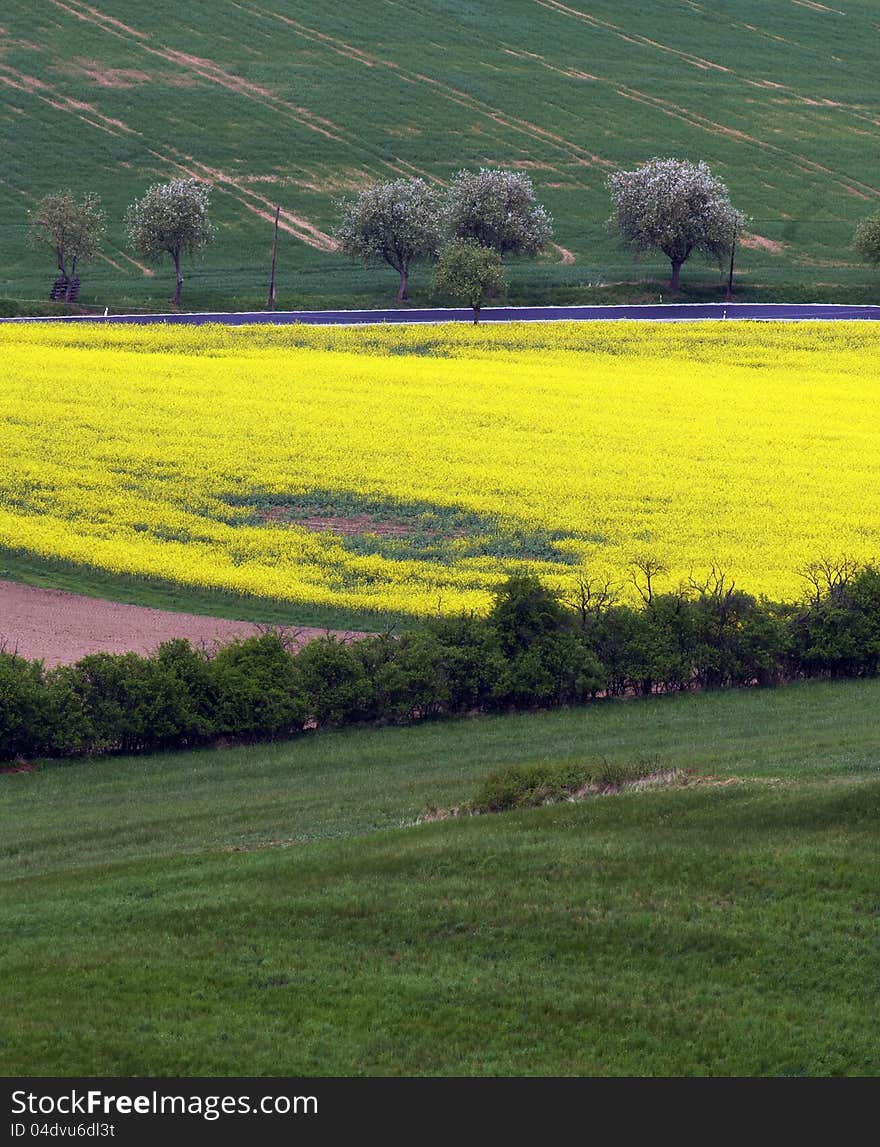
{"type": "Point", "coordinates": [295, 103]}
{"type": "Point", "coordinates": [272, 910]}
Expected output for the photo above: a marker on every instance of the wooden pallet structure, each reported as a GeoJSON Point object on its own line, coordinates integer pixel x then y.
{"type": "Point", "coordinates": [59, 290]}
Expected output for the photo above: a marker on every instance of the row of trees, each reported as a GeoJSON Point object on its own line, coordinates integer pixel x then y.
{"type": "Point", "coordinates": [667, 205]}
{"type": "Point", "coordinates": [532, 649]}
{"type": "Point", "coordinates": [170, 220]}
{"type": "Point", "coordinates": [405, 221]}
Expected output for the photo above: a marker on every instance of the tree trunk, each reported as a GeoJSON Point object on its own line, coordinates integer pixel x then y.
{"type": "Point", "coordinates": [676, 268]}
{"type": "Point", "coordinates": [176, 300]}
{"type": "Point", "coordinates": [404, 282]}
{"type": "Point", "coordinates": [69, 290]}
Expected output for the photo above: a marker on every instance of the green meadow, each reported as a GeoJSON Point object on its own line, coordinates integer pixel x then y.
{"type": "Point", "coordinates": [275, 909]}
{"type": "Point", "coordinates": [291, 103]}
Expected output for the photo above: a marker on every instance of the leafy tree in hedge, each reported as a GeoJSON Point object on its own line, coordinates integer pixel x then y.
{"type": "Point", "coordinates": [129, 703]}
{"type": "Point", "coordinates": [675, 207]}
{"type": "Point", "coordinates": [23, 707]}
{"type": "Point", "coordinates": [867, 240]}
{"type": "Point", "coordinates": [333, 682]}
{"type": "Point", "coordinates": [497, 209]}
{"type": "Point", "coordinates": [256, 688]}
{"type": "Point", "coordinates": [171, 219]}
{"type": "Point", "coordinates": [72, 230]}
{"type": "Point", "coordinates": [397, 223]}
{"type": "Point", "coordinates": [547, 660]}
{"type": "Point", "coordinates": [467, 270]}
{"type": "Point", "coordinates": [470, 661]}
{"type": "Point", "coordinates": [837, 633]}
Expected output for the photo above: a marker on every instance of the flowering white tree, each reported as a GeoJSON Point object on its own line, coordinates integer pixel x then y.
{"type": "Point", "coordinates": [676, 207]}
{"type": "Point", "coordinates": [72, 230]}
{"type": "Point", "coordinates": [497, 209]}
{"type": "Point", "coordinates": [171, 219]}
{"type": "Point", "coordinates": [867, 239]}
{"type": "Point", "coordinates": [397, 223]}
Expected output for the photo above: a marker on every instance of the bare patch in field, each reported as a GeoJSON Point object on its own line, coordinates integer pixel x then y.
{"type": "Point", "coordinates": [110, 77]}
{"type": "Point", "coordinates": [571, 73]}
{"type": "Point", "coordinates": [346, 179]}
{"type": "Point", "coordinates": [211, 71]}
{"type": "Point", "coordinates": [355, 525]}
{"type": "Point", "coordinates": [406, 131]}
{"type": "Point", "coordinates": [86, 112]}
{"type": "Point", "coordinates": [22, 82]}
{"type": "Point", "coordinates": [817, 7]}
{"type": "Point", "coordinates": [534, 132]}
{"type": "Point", "coordinates": [93, 16]}
{"type": "Point", "coordinates": [27, 45]}
{"type": "Point", "coordinates": [257, 204]}
{"type": "Point", "coordinates": [348, 526]}
{"type": "Point", "coordinates": [112, 262]}
{"type": "Point", "coordinates": [207, 70]}
{"type": "Point", "coordinates": [261, 179]}
{"type": "Point", "coordinates": [115, 23]}
{"type": "Point", "coordinates": [761, 243]}
{"type": "Point", "coordinates": [337, 45]}
{"type": "Point", "coordinates": [566, 256]}
{"type": "Point", "coordinates": [631, 37]}
{"type": "Point", "coordinates": [148, 271]}
{"type": "Point", "coordinates": [850, 190]}
{"type": "Point", "coordinates": [408, 169]}
{"type": "Point", "coordinates": [59, 627]}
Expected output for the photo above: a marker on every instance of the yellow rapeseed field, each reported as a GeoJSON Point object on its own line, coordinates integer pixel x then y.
{"type": "Point", "coordinates": [438, 459]}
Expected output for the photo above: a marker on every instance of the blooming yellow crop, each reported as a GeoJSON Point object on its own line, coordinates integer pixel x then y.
{"type": "Point", "coordinates": [438, 459]}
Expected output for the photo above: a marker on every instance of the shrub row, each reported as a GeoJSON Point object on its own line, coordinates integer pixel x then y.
{"type": "Point", "coordinates": [526, 786]}
{"type": "Point", "coordinates": [532, 650]}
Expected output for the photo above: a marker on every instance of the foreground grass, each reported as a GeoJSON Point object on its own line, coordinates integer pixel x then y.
{"type": "Point", "coordinates": [272, 911]}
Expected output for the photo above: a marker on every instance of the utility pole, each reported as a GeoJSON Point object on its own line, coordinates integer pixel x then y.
{"type": "Point", "coordinates": [729, 296]}
{"type": "Point", "coordinates": [271, 303]}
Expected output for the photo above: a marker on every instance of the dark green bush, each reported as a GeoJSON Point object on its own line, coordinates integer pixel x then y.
{"type": "Point", "coordinates": [469, 662]}
{"type": "Point", "coordinates": [547, 661]}
{"type": "Point", "coordinates": [25, 727]}
{"type": "Point", "coordinates": [128, 702]}
{"type": "Point", "coordinates": [333, 682]}
{"type": "Point", "coordinates": [191, 667]}
{"type": "Point", "coordinates": [253, 689]}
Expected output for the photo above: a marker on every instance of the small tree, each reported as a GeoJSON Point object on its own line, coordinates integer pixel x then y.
{"type": "Point", "coordinates": [469, 271]}
{"type": "Point", "coordinates": [72, 230]}
{"type": "Point", "coordinates": [497, 209]}
{"type": "Point", "coordinates": [397, 223]}
{"type": "Point", "coordinates": [171, 219]}
{"type": "Point", "coordinates": [674, 206]}
{"type": "Point", "coordinates": [867, 239]}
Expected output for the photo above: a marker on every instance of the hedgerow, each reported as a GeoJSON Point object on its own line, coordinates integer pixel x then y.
{"type": "Point", "coordinates": [531, 651]}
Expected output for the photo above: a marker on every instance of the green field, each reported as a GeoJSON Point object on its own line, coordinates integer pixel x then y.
{"type": "Point", "coordinates": [297, 104]}
{"type": "Point", "coordinates": [273, 910]}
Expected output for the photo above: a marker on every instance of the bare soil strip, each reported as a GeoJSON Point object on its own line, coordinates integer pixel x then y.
{"type": "Point", "coordinates": [59, 627]}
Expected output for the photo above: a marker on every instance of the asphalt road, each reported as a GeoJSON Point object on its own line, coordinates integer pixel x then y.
{"type": "Point", "coordinates": [667, 312]}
